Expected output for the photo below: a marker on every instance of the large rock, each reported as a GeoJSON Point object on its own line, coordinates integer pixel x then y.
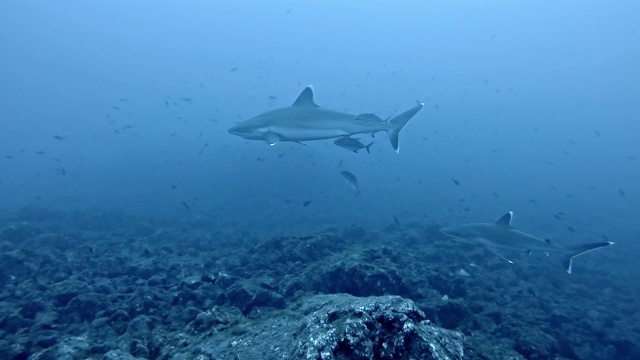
{"type": "Point", "coordinates": [328, 327]}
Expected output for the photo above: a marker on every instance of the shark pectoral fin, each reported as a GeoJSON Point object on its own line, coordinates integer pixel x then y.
{"type": "Point", "coordinates": [496, 253]}
{"type": "Point", "coordinates": [305, 99]}
{"type": "Point", "coordinates": [271, 138]}
{"type": "Point", "coordinates": [505, 220]}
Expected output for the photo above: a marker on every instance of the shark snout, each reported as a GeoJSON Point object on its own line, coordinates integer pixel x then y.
{"type": "Point", "coordinates": [234, 130]}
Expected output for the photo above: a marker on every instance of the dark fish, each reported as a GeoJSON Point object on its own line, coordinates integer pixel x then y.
{"type": "Point", "coordinates": [59, 137]}
{"type": "Point", "coordinates": [352, 144]}
{"type": "Point", "coordinates": [570, 229]}
{"type": "Point", "coordinates": [271, 97]}
{"type": "Point", "coordinates": [351, 180]}
{"type": "Point", "coordinates": [260, 159]}
{"type": "Point", "coordinates": [396, 221]}
{"type": "Point", "coordinates": [456, 182]}
{"type": "Point", "coordinates": [115, 108]}
{"type": "Point", "coordinates": [233, 69]}
{"type": "Point", "coordinates": [187, 100]}
{"type": "Point", "coordinates": [174, 186]}
{"type": "Point", "coordinates": [61, 171]}
{"type": "Point", "coordinates": [281, 155]}
{"type": "Point", "coordinates": [40, 152]}
{"type": "Point", "coordinates": [621, 192]}
{"type": "Point", "coordinates": [184, 203]}
{"type": "Point", "coordinates": [557, 216]}
{"type": "Point", "coordinates": [9, 157]}
{"type": "Point", "coordinates": [306, 203]}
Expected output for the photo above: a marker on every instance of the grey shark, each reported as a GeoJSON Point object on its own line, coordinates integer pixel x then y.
{"type": "Point", "coordinates": [304, 120]}
{"type": "Point", "coordinates": [501, 236]}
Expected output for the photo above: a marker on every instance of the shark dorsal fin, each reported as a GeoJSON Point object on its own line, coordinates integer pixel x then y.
{"type": "Point", "coordinates": [505, 221]}
{"type": "Point", "coordinates": [305, 99]}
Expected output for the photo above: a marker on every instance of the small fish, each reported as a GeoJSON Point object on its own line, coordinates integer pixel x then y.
{"type": "Point", "coordinates": [352, 144]}
{"type": "Point", "coordinates": [281, 155]}
{"type": "Point", "coordinates": [261, 159]}
{"type": "Point", "coordinates": [233, 69]}
{"type": "Point", "coordinates": [9, 157]}
{"type": "Point", "coordinates": [456, 182]}
{"type": "Point", "coordinates": [570, 228]}
{"type": "Point", "coordinates": [40, 152]}
{"type": "Point", "coordinates": [306, 203]}
{"type": "Point", "coordinates": [187, 100]}
{"type": "Point", "coordinates": [396, 221]}
{"type": "Point", "coordinates": [61, 171]}
{"type": "Point", "coordinates": [174, 186]}
{"type": "Point", "coordinates": [621, 192]}
{"type": "Point", "coordinates": [59, 137]}
{"type": "Point", "coordinates": [271, 97]}
{"type": "Point", "coordinates": [184, 203]}
{"type": "Point", "coordinates": [351, 180]}
{"type": "Point", "coordinates": [115, 108]}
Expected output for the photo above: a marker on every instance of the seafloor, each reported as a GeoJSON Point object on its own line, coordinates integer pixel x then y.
{"type": "Point", "coordinates": [102, 285]}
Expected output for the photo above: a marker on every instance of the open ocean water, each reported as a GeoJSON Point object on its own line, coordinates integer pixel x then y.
{"type": "Point", "coordinates": [134, 225]}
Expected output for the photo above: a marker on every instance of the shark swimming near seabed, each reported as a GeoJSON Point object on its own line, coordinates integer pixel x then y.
{"type": "Point", "coordinates": [501, 236]}
{"type": "Point", "coordinates": [304, 121]}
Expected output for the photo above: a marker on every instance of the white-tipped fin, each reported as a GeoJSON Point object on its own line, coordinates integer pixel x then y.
{"type": "Point", "coordinates": [505, 220]}
{"type": "Point", "coordinates": [305, 99]}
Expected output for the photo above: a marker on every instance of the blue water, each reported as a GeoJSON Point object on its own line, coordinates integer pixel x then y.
{"type": "Point", "coordinates": [530, 106]}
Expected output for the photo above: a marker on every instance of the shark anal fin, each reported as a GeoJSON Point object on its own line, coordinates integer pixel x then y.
{"type": "Point", "coordinates": [305, 99]}
{"type": "Point", "coordinates": [505, 220]}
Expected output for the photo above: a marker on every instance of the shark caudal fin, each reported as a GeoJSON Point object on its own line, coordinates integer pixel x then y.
{"type": "Point", "coordinates": [398, 122]}
{"type": "Point", "coordinates": [574, 251]}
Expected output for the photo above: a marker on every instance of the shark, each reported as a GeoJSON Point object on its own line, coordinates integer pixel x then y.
{"type": "Point", "coordinates": [502, 236]}
{"type": "Point", "coordinates": [306, 121]}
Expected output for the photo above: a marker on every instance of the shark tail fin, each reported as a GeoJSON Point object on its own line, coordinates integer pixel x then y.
{"type": "Point", "coordinates": [579, 250]}
{"type": "Point", "coordinates": [398, 122]}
